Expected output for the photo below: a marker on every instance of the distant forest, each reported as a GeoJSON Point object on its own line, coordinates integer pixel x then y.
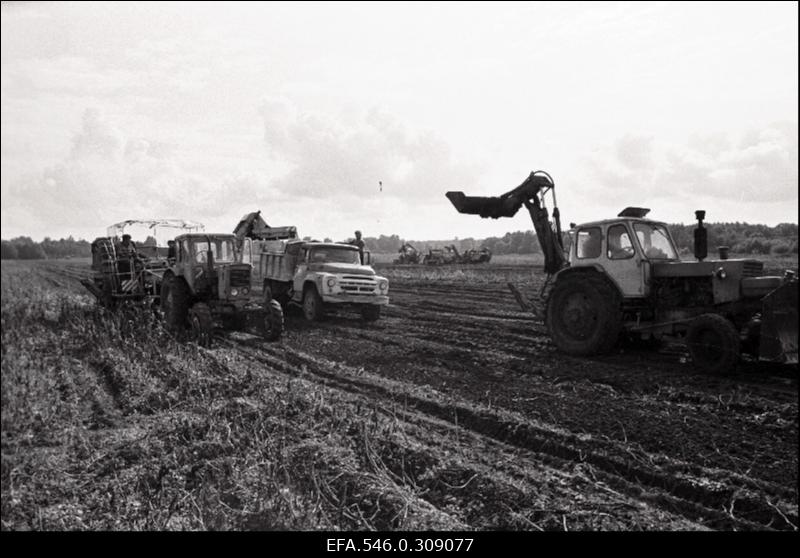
{"type": "Point", "coordinates": [741, 238]}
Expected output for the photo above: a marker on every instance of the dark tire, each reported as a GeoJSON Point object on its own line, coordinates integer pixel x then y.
{"type": "Point", "coordinates": [175, 303]}
{"type": "Point", "coordinates": [312, 304]}
{"type": "Point", "coordinates": [370, 312]}
{"type": "Point", "coordinates": [268, 295]}
{"type": "Point", "coordinates": [713, 343]}
{"type": "Point", "coordinates": [584, 314]}
{"type": "Point", "coordinates": [108, 301]}
{"type": "Point", "coordinates": [273, 321]}
{"type": "Point", "coordinates": [201, 324]}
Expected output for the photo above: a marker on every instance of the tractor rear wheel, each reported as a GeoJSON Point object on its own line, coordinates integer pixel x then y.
{"type": "Point", "coordinates": [273, 321]}
{"type": "Point", "coordinates": [175, 303]}
{"type": "Point", "coordinates": [312, 304]}
{"type": "Point", "coordinates": [201, 324]}
{"type": "Point", "coordinates": [584, 314]}
{"type": "Point", "coordinates": [713, 343]}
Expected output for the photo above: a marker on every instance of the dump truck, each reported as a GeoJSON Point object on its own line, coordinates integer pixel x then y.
{"type": "Point", "coordinates": [321, 276]}
{"type": "Point", "coordinates": [623, 277]}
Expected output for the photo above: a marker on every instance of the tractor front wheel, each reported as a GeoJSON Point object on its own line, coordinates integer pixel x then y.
{"type": "Point", "coordinates": [713, 343]}
{"type": "Point", "coordinates": [584, 314]}
{"type": "Point", "coordinates": [201, 324]}
{"type": "Point", "coordinates": [174, 303]}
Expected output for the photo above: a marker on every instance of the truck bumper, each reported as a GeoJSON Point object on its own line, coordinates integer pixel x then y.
{"type": "Point", "coordinates": [356, 299]}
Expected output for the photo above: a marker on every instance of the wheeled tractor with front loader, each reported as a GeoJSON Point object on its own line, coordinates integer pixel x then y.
{"type": "Point", "coordinates": [623, 277]}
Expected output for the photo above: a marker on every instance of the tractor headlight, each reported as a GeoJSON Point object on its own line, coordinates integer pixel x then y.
{"type": "Point", "coordinates": [234, 291]}
{"type": "Point", "coordinates": [383, 285]}
{"type": "Point", "coordinates": [721, 273]}
{"type": "Point", "coordinates": [245, 290]}
{"type": "Point", "coordinates": [331, 282]}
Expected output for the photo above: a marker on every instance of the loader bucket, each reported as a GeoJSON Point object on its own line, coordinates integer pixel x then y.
{"type": "Point", "coordinates": [779, 324]}
{"type": "Point", "coordinates": [493, 207]}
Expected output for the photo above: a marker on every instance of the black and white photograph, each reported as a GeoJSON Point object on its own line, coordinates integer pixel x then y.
{"type": "Point", "coordinates": [399, 276]}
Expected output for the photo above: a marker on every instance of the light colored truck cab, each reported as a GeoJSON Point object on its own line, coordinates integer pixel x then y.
{"type": "Point", "coordinates": [321, 276]}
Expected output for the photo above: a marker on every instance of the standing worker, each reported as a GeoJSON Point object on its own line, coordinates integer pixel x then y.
{"type": "Point", "coordinates": [360, 243]}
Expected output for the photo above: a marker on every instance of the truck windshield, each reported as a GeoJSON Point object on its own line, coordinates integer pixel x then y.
{"type": "Point", "coordinates": [329, 254]}
{"type": "Point", "coordinates": [222, 249]}
{"type": "Point", "coordinates": [655, 241]}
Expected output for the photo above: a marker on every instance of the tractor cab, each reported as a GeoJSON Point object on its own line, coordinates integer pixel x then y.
{"type": "Point", "coordinates": [623, 248]}
{"type": "Point", "coordinates": [209, 265]}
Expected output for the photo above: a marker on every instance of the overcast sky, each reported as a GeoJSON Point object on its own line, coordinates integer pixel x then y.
{"type": "Point", "coordinates": [206, 111]}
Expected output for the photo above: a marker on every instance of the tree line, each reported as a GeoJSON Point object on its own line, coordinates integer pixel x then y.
{"type": "Point", "coordinates": [741, 238]}
{"type": "Point", "coordinates": [25, 248]}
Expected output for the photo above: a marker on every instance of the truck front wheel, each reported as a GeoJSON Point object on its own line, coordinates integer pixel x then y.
{"type": "Point", "coordinates": [312, 304]}
{"type": "Point", "coordinates": [713, 343]}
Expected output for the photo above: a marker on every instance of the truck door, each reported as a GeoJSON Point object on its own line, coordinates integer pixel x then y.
{"type": "Point", "coordinates": [300, 273]}
{"type": "Point", "coordinates": [623, 261]}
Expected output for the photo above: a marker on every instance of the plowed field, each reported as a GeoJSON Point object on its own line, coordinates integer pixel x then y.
{"type": "Point", "coordinates": [453, 411]}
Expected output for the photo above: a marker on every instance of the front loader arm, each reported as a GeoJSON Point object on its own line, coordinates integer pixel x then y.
{"type": "Point", "coordinates": [530, 194]}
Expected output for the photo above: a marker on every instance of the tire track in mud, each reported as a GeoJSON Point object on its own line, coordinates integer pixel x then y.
{"type": "Point", "coordinates": [439, 337]}
{"type": "Point", "coordinates": [678, 493]}
{"type": "Point", "coordinates": [691, 497]}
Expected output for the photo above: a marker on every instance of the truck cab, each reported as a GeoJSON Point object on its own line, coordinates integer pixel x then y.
{"type": "Point", "coordinates": [322, 275]}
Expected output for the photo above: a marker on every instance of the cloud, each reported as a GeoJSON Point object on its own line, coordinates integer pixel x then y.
{"type": "Point", "coordinates": [319, 173]}
{"type": "Point", "coordinates": [329, 158]}
{"type": "Point", "coordinates": [109, 176]}
{"type": "Point", "coordinates": [757, 166]}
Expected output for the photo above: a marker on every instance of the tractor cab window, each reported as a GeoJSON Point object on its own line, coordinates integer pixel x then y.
{"type": "Point", "coordinates": [589, 243]}
{"type": "Point", "coordinates": [222, 250]}
{"type": "Point", "coordinates": [619, 243]}
{"type": "Point", "coordinates": [655, 241]}
{"type": "Point", "coordinates": [185, 253]}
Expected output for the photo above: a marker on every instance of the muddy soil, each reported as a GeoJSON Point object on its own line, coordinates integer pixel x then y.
{"type": "Point", "coordinates": [493, 428]}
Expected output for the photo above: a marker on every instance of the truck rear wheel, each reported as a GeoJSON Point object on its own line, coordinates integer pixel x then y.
{"type": "Point", "coordinates": [201, 324]}
{"type": "Point", "coordinates": [312, 304]}
{"type": "Point", "coordinates": [370, 312]}
{"type": "Point", "coordinates": [584, 315]}
{"type": "Point", "coordinates": [713, 343]}
{"type": "Point", "coordinates": [267, 293]}
{"type": "Point", "coordinates": [273, 320]}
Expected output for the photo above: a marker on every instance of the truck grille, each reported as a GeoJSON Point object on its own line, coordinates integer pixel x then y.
{"type": "Point", "coordinates": [240, 277]}
{"type": "Point", "coordinates": [357, 284]}
{"type": "Point", "coordinates": [752, 268]}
